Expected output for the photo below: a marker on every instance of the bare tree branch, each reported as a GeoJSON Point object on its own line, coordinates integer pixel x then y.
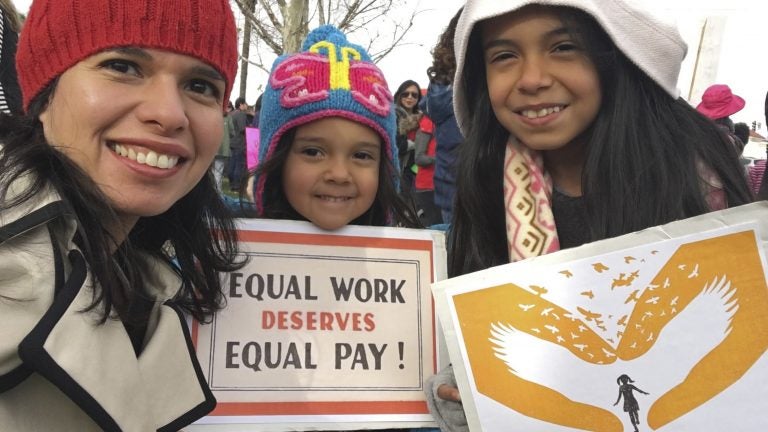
{"type": "Point", "coordinates": [381, 25]}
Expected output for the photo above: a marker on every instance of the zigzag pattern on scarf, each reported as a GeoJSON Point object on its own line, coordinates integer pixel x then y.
{"type": "Point", "coordinates": [530, 224]}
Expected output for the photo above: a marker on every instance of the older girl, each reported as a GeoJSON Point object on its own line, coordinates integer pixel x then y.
{"type": "Point", "coordinates": [574, 132]}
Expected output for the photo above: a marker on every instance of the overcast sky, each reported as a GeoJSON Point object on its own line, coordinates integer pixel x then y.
{"type": "Point", "coordinates": [743, 59]}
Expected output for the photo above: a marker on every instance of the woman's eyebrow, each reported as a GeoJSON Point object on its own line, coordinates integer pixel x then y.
{"type": "Point", "coordinates": [133, 51]}
{"type": "Point", "coordinates": [208, 72]}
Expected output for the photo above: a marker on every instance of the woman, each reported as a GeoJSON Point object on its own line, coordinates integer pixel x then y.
{"type": "Point", "coordinates": [407, 100]}
{"type": "Point", "coordinates": [107, 213]}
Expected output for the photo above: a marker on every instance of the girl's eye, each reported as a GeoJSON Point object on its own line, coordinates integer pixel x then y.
{"type": "Point", "coordinates": [501, 56]}
{"type": "Point", "coordinates": [565, 47]}
{"type": "Point", "coordinates": [364, 155]}
{"type": "Point", "coordinates": [311, 152]}
{"type": "Point", "coordinates": [121, 66]}
{"type": "Point", "coordinates": [204, 88]}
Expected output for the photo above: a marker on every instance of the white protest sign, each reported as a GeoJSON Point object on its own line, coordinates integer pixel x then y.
{"type": "Point", "coordinates": [323, 329]}
{"type": "Point", "coordinates": [663, 330]}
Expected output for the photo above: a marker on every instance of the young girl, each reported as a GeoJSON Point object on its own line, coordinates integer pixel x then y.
{"type": "Point", "coordinates": [108, 213]}
{"type": "Point", "coordinates": [574, 132]}
{"type": "Point", "coordinates": [327, 152]}
{"type": "Point", "coordinates": [626, 387]}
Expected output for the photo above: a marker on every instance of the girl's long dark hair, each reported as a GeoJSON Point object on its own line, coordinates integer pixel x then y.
{"type": "Point", "coordinates": [197, 231]}
{"type": "Point", "coordinates": [641, 162]}
{"type": "Point", "coordinates": [388, 207]}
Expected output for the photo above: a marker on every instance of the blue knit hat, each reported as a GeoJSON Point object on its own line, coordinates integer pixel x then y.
{"type": "Point", "coordinates": [330, 77]}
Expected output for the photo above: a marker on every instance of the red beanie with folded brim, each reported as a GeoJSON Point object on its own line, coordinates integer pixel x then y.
{"type": "Point", "coordinates": [58, 34]}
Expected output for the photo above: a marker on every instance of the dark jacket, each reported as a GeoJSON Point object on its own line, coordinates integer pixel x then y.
{"type": "Point", "coordinates": [237, 134]}
{"type": "Point", "coordinates": [438, 105]}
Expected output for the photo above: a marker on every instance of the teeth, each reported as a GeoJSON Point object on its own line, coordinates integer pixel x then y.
{"type": "Point", "coordinates": [162, 161]}
{"type": "Point", "coordinates": [150, 158]}
{"type": "Point", "coordinates": [333, 199]}
{"type": "Point", "coordinates": [532, 114]}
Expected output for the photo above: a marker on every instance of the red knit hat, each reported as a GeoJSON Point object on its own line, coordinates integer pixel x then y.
{"type": "Point", "coordinates": [58, 34]}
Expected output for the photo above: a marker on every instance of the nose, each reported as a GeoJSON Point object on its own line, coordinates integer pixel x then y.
{"type": "Point", "coordinates": [337, 170]}
{"type": "Point", "coordinates": [534, 75]}
{"type": "Point", "coordinates": [162, 106]}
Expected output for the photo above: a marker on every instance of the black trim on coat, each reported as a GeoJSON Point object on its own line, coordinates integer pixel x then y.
{"type": "Point", "coordinates": [38, 217]}
{"type": "Point", "coordinates": [13, 378]}
{"type": "Point", "coordinates": [33, 353]}
{"type": "Point", "coordinates": [209, 403]}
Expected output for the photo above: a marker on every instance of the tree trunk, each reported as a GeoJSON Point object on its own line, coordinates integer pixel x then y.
{"type": "Point", "coordinates": [295, 27]}
{"type": "Point", "coordinates": [246, 50]}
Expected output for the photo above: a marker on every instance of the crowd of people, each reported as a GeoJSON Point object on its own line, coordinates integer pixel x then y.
{"type": "Point", "coordinates": [113, 218]}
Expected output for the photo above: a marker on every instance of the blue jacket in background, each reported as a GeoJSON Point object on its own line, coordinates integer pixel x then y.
{"type": "Point", "coordinates": [438, 106]}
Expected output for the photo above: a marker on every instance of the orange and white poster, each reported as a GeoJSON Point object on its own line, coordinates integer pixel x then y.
{"type": "Point", "coordinates": [324, 330]}
{"type": "Point", "coordinates": [661, 330]}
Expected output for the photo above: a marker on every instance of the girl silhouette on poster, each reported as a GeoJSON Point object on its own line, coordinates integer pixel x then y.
{"type": "Point", "coordinates": [630, 403]}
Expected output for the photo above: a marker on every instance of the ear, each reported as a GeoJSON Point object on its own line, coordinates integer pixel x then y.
{"type": "Point", "coordinates": [44, 115]}
{"type": "Point", "coordinates": [45, 111]}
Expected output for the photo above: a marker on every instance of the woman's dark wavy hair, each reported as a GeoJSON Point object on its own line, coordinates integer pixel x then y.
{"type": "Point", "coordinates": [443, 57]}
{"type": "Point", "coordinates": [402, 88]}
{"type": "Point", "coordinates": [640, 168]}
{"type": "Point", "coordinates": [197, 231]}
{"type": "Point", "coordinates": [388, 207]}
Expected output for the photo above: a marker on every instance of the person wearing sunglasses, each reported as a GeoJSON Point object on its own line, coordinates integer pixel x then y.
{"type": "Point", "coordinates": [407, 98]}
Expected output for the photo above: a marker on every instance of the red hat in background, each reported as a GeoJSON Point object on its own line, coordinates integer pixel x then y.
{"type": "Point", "coordinates": [718, 101]}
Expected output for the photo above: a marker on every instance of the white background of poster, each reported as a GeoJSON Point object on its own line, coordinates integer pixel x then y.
{"type": "Point", "coordinates": [736, 408]}
{"type": "Point", "coordinates": [359, 362]}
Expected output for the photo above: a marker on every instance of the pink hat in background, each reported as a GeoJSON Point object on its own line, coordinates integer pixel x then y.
{"type": "Point", "coordinates": [718, 101]}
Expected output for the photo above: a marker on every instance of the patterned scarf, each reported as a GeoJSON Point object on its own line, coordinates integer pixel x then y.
{"type": "Point", "coordinates": [531, 229]}
{"type": "Point", "coordinates": [530, 223]}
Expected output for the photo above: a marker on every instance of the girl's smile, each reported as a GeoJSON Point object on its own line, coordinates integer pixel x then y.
{"type": "Point", "coordinates": [537, 115]}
